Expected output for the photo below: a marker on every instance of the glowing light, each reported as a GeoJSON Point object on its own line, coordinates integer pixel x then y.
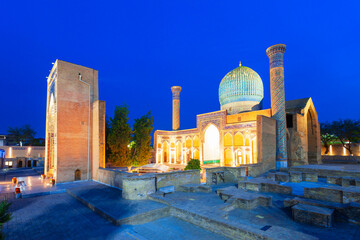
{"type": "Point", "coordinates": [344, 151]}
{"type": "Point", "coordinates": [331, 151]}
{"type": "Point", "coordinates": [10, 152]}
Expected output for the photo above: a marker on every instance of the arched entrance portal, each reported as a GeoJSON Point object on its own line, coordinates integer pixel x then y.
{"type": "Point", "coordinates": [77, 175]}
{"type": "Point", "coordinates": [311, 137]}
{"type": "Point", "coordinates": [165, 152]}
{"type": "Point", "coordinates": [212, 145]}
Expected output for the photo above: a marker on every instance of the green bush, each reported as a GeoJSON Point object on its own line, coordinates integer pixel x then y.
{"type": "Point", "coordinates": [5, 216]}
{"type": "Point", "coordinates": [193, 164]}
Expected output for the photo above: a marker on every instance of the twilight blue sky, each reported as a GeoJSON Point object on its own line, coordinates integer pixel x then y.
{"type": "Point", "coordinates": [142, 48]}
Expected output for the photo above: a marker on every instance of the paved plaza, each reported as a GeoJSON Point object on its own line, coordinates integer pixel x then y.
{"type": "Point", "coordinates": [92, 210]}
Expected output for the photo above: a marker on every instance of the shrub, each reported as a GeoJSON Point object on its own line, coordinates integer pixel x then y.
{"type": "Point", "coordinates": [193, 164]}
{"type": "Point", "coordinates": [5, 216]}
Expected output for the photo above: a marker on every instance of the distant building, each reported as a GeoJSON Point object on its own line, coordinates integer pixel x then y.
{"type": "Point", "coordinates": [22, 156]}
{"type": "Point", "coordinates": [2, 139]}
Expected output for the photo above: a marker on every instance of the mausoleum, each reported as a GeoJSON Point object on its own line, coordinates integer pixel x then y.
{"type": "Point", "coordinates": [242, 132]}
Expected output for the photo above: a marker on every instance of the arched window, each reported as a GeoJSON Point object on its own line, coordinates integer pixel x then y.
{"type": "Point", "coordinates": [239, 139]}
{"type": "Point", "coordinates": [228, 140]}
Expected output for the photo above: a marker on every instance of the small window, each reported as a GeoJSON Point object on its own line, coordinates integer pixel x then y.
{"type": "Point", "coordinates": [289, 121]}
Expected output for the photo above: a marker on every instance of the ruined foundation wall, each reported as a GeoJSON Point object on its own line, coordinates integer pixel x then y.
{"type": "Point", "coordinates": [177, 179]}
{"type": "Point", "coordinates": [112, 177]}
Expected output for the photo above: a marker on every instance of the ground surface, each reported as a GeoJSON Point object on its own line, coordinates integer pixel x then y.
{"type": "Point", "coordinates": [56, 214]}
{"type": "Point", "coordinates": [60, 216]}
{"type": "Point", "coordinates": [210, 204]}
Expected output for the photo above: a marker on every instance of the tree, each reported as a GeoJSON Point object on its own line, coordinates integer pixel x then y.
{"type": "Point", "coordinates": [141, 148]}
{"type": "Point", "coordinates": [5, 216]}
{"type": "Point", "coordinates": [193, 164]}
{"type": "Point", "coordinates": [28, 134]}
{"type": "Point", "coordinates": [14, 135]}
{"type": "Point", "coordinates": [327, 138]}
{"type": "Point", "coordinates": [347, 131]}
{"type": "Point", "coordinates": [24, 134]}
{"type": "Point", "coordinates": [119, 137]}
{"type": "Point", "coordinates": [107, 132]}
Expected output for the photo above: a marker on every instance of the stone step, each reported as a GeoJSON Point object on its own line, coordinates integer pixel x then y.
{"type": "Point", "coordinates": [239, 198]}
{"type": "Point", "coordinates": [108, 203]}
{"type": "Point", "coordinates": [264, 185]}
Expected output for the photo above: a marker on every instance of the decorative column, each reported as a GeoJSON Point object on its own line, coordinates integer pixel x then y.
{"type": "Point", "coordinates": [276, 56]}
{"type": "Point", "coordinates": [176, 107]}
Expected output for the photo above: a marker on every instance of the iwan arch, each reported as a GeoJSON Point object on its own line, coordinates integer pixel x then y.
{"type": "Point", "coordinates": [242, 132]}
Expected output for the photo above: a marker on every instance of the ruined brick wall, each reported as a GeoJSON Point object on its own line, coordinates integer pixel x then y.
{"type": "Point", "coordinates": [177, 179]}
{"type": "Point", "coordinates": [112, 177]}
{"type": "Point", "coordinates": [231, 174]}
{"type": "Point", "coordinates": [266, 144]}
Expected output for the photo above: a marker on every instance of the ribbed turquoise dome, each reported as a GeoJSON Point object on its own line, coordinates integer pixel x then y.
{"type": "Point", "coordinates": [241, 90]}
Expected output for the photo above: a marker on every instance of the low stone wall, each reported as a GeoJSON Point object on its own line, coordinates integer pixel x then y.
{"type": "Point", "coordinates": [338, 149]}
{"type": "Point", "coordinates": [255, 170]}
{"type": "Point", "coordinates": [231, 174]}
{"type": "Point", "coordinates": [111, 177]}
{"type": "Point", "coordinates": [327, 159]}
{"type": "Point", "coordinates": [324, 194]}
{"type": "Point", "coordinates": [138, 187]}
{"type": "Point", "coordinates": [177, 178]}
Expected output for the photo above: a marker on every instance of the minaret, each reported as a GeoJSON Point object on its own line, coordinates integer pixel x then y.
{"type": "Point", "coordinates": [276, 56]}
{"type": "Point", "coordinates": [176, 107]}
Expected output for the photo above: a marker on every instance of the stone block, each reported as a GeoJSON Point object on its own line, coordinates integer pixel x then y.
{"type": "Point", "coordinates": [352, 212]}
{"type": "Point", "coordinates": [275, 188]}
{"type": "Point", "coordinates": [282, 176]}
{"type": "Point", "coordinates": [239, 198]}
{"type": "Point", "coordinates": [289, 202]}
{"type": "Point", "coordinates": [325, 194]}
{"type": "Point", "coordinates": [309, 177]}
{"type": "Point", "coordinates": [283, 170]}
{"type": "Point", "coordinates": [333, 180]}
{"type": "Point", "coordinates": [318, 216]}
{"type": "Point", "coordinates": [357, 182]}
{"type": "Point", "coordinates": [271, 175]}
{"type": "Point", "coordinates": [242, 184]}
{"type": "Point", "coordinates": [138, 187]}
{"type": "Point", "coordinates": [242, 178]}
{"type": "Point", "coordinates": [295, 176]}
{"type": "Point", "coordinates": [351, 194]}
{"type": "Point", "coordinates": [347, 181]}
{"type": "Point", "coordinates": [253, 186]}
{"type": "Point", "coordinates": [195, 188]}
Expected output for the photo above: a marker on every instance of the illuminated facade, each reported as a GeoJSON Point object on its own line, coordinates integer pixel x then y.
{"type": "Point", "coordinates": [75, 123]}
{"type": "Point", "coordinates": [241, 132]}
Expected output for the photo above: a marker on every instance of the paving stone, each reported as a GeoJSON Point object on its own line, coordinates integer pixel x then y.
{"type": "Point", "coordinates": [318, 216]}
